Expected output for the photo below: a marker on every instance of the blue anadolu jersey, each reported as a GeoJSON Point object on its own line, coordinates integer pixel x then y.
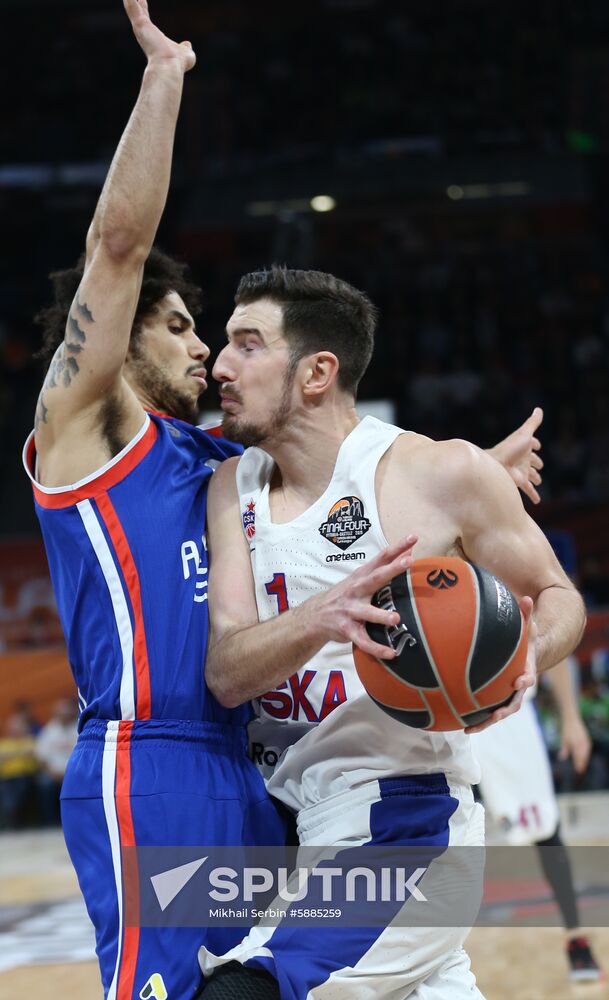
{"type": "Point", "coordinates": [128, 560]}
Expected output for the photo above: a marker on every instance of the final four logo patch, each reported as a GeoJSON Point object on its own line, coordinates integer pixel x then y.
{"type": "Point", "coordinates": [346, 522]}
{"type": "Point", "coordinates": [249, 520]}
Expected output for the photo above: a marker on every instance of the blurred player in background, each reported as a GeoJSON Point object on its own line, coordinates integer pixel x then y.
{"type": "Point", "coordinates": [54, 745]}
{"type": "Point", "coordinates": [120, 492]}
{"type": "Point", "coordinates": [298, 345]}
{"type": "Point", "coordinates": [517, 786]}
{"type": "Point", "coordinates": [517, 789]}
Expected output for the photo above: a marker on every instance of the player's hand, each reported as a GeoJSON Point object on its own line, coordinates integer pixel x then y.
{"type": "Point", "coordinates": [526, 679]}
{"type": "Point", "coordinates": [575, 742]}
{"type": "Point", "coordinates": [156, 46]}
{"type": "Point", "coordinates": [341, 613]}
{"type": "Point", "coordinates": [518, 454]}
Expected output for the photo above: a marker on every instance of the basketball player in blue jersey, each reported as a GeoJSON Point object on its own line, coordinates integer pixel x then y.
{"type": "Point", "coordinates": [120, 491]}
{"type": "Point", "coordinates": [314, 476]}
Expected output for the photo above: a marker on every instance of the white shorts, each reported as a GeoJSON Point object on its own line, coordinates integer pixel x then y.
{"type": "Point", "coordinates": [389, 962]}
{"type": "Point", "coordinates": [516, 783]}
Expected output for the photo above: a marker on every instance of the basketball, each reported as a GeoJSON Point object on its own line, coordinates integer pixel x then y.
{"type": "Point", "coordinates": [461, 643]}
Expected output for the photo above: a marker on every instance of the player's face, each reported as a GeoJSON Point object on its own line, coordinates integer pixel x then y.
{"type": "Point", "coordinates": [166, 362]}
{"type": "Point", "coordinates": [255, 374]}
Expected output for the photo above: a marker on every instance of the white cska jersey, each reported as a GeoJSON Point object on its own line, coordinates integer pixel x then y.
{"type": "Point", "coordinates": [319, 733]}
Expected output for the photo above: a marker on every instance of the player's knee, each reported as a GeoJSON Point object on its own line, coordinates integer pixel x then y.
{"type": "Point", "coordinates": [234, 982]}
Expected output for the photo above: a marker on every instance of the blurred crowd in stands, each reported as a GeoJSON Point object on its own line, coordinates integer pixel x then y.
{"type": "Point", "coordinates": [487, 308]}
{"type": "Point", "coordinates": [328, 74]}
{"type": "Point", "coordinates": [476, 329]}
{"type": "Point", "coordinates": [479, 327]}
{"type": "Point", "coordinates": [33, 760]}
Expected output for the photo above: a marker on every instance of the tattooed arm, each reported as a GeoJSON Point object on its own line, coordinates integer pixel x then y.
{"type": "Point", "coordinates": [85, 375]}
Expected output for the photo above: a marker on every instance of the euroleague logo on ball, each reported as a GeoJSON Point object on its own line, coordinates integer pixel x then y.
{"type": "Point", "coordinates": [442, 579]}
{"type": "Point", "coordinates": [249, 520]}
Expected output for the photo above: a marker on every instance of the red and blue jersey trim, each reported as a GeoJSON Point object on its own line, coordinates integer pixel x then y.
{"type": "Point", "coordinates": [59, 497]}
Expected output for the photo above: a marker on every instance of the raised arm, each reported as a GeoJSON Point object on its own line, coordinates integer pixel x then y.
{"type": "Point", "coordinates": [85, 373]}
{"type": "Point", "coordinates": [245, 658]}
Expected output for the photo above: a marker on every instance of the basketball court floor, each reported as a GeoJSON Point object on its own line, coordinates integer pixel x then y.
{"type": "Point", "coordinates": [47, 950]}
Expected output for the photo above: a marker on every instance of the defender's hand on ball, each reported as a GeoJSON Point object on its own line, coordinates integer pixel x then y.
{"type": "Point", "coordinates": [343, 611]}
{"type": "Point", "coordinates": [526, 679]}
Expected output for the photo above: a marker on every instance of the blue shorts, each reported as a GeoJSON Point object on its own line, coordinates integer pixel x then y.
{"type": "Point", "coordinates": [156, 783]}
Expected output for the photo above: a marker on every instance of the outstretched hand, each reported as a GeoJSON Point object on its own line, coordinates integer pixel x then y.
{"type": "Point", "coordinates": [156, 46]}
{"type": "Point", "coordinates": [518, 453]}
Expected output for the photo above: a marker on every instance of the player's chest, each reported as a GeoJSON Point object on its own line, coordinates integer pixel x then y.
{"type": "Point", "coordinates": [408, 510]}
{"type": "Point", "coordinates": [291, 561]}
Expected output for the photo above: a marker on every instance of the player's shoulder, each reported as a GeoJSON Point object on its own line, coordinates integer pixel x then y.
{"type": "Point", "coordinates": [417, 448]}
{"type": "Point", "coordinates": [223, 483]}
{"type": "Point", "coordinates": [449, 463]}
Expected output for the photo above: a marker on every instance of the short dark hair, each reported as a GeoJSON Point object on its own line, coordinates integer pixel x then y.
{"type": "Point", "coordinates": [320, 313]}
{"type": "Point", "coordinates": [162, 274]}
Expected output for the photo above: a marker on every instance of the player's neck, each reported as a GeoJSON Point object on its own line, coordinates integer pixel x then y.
{"type": "Point", "coordinates": [306, 457]}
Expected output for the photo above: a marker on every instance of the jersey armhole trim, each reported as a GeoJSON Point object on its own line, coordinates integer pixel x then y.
{"type": "Point", "coordinates": [103, 479]}
{"type": "Point", "coordinates": [379, 531]}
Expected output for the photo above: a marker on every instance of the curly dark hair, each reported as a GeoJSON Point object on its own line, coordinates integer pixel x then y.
{"type": "Point", "coordinates": [162, 274]}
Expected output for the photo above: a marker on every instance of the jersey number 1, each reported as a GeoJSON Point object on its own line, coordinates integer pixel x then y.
{"type": "Point", "coordinates": [277, 588]}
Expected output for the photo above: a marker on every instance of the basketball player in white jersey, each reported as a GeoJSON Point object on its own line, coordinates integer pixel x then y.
{"type": "Point", "coordinates": [297, 530]}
